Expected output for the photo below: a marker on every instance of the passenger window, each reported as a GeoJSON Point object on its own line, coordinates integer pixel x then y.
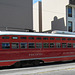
{"type": "Point", "coordinates": [5, 45]}
{"type": "Point", "coordinates": [14, 37]}
{"type": "Point", "coordinates": [73, 45]}
{"type": "Point", "coordinates": [52, 45]}
{"type": "Point", "coordinates": [23, 45]}
{"type": "Point", "coordinates": [73, 39]}
{"type": "Point", "coordinates": [15, 45]}
{"type": "Point", "coordinates": [22, 37]}
{"type": "Point", "coordinates": [31, 45]}
{"type": "Point", "coordinates": [51, 38]}
{"type": "Point", "coordinates": [63, 38]}
{"type": "Point", "coordinates": [31, 37]}
{"type": "Point", "coordinates": [45, 45]}
{"type": "Point", "coordinates": [38, 38]}
{"type": "Point", "coordinates": [69, 45]}
{"type": "Point", "coordinates": [57, 38]}
{"type": "Point", "coordinates": [63, 45]}
{"type": "Point", "coordinates": [5, 37]}
{"type": "Point", "coordinates": [45, 38]}
{"type": "Point", "coordinates": [69, 39]}
{"type": "Point", "coordinates": [58, 45]}
{"type": "Point", "coordinates": [38, 45]}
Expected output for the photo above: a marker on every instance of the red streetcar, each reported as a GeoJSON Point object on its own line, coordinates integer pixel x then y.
{"type": "Point", "coordinates": [20, 48]}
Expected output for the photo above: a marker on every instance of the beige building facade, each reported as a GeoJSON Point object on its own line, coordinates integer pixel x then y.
{"type": "Point", "coordinates": [58, 15]}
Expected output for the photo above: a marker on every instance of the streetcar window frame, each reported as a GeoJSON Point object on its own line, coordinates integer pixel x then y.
{"type": "Point", "coordinates": [68, 39]}
{"type": "Point", "coordinates": [64, 45]}
{"type": "Point", "coordinates": [52, 38]}
{"type": "Point", "coordinates": [14, 37]}
{"type": "Point", "coordinates": [23, 45]}
{"type": "Point", "coordinates": [73, 45]}
{"type": "Point", "coordinates": [38, 38]}
{"type": "Point", "coordinates": [58, 45]}
{"type": "Point", "coordinates": [31, 45]}
{"type": "Point", "coordinates": [69, 45]}
{"type": "Point", "coordinates": [52, 45]}
{"type": "Point", "coordinates": [63, 38]}
{"type": "Point", "coordinates": [46, 45]}
{"type": "Point", "coordinates": [16, 47]}
{"type": "Point", "coordinates": [5, 47]}
{"type": "Point", "coordinates": [39, 45]}
{"type": "Point", "coordinates": [45, 38]}
{"type": "Point", "coordinates": [23, 37]}
{"type": "Point", "coordinates": [31, 38]}
{"type": "Point", "coordinates": [58, 39]}
{"type": "Point", "coordinates": [5, 37]}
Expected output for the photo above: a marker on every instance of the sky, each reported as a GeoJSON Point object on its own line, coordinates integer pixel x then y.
{"type": "Point", "coordinates": [34, 1]}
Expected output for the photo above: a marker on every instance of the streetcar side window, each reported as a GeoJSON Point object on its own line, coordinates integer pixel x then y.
{"type": "Point", "coordinates": [73, 39]}
{"type": "Point", "coordinates": [5, 45]}
{"type": "Point", "coordinates": [57, 38]}
{"type": "Point", "coordinates": [23, 38]}
{"type": "Point", "coordinates": [64, 45]}
{"type": "Point", "coordinates": [38, 38]}
{"type": "Point", "coordinates": [69, 45]}
{"type": "Point", "coordinates": [31, 45]}
{"type": "Point", "coordinates": [73, 45]}
{"type": "Point", "coordinates": [15, 45]}
{"type": "Point", "coordinates": [14, 37]}
{"type": "Point", "coordinates": [31, 37]}
{"type": "Point", "coordinates": [45, 45]}
{"type": "Point", "coordinates": [23, 45]}
{"type": "Point", "coordinates": [58, 45]}
{"type": "Point", "coordinates": [45, 38]}
{"type": "Point", "coordinates": [51, 38]}
{"type": "Point", "coordinates": [52, 45]}
{"type": "Point", "coordinates": [69, 39]}
{"type": "Point", "coordinates": [5, 37]}
{"type": "Point", "coordinates": [63, 38]}
{"type": "Point", "coordinates": [38, 45]}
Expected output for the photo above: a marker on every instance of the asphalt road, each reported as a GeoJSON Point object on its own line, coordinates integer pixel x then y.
{"type": "Point", "coordinates": [67, 68]}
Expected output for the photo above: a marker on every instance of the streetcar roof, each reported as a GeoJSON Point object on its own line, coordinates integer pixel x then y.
{"type": "Point", "coordinates": [35, 34]}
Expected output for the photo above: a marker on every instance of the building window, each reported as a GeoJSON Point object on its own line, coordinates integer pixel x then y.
{"type": "Point", "coordinates": [69, 26]}
{"type": "Point", "coordinates": [45, 45]}
{"type": "Point", "coordinates": [69, 11]}
{"type": "Point", "coordinates": [15, 45]}
{"type": "Point", "coordinates": [38, 45]}
{"type": "Point", "coordinates": [31, 45]}
{"type": "Point", "coordinates": [23, 45]}
{"type": "Point", "coordinates": [5, 45]}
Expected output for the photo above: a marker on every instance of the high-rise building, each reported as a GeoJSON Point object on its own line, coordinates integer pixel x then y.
{"type": "Point", "coordinates": [16, 14]}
